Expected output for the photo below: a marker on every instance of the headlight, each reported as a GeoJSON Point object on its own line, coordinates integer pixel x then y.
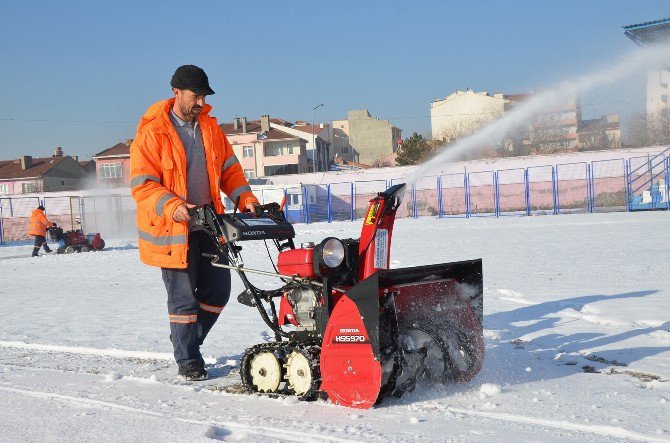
{"type": "Point", "coordinates": [332, 253]}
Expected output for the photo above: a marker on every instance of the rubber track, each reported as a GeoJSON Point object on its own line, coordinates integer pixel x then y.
{"type": "Point", "coordinates": [309, 349]}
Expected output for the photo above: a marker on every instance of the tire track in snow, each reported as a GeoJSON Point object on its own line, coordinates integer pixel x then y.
{"type": "Point", "coordinates": [607, 431]}
{"type": "Point", "coordinates": [119, 353]}
{"type": "Point", "coordinates": [265, 431]}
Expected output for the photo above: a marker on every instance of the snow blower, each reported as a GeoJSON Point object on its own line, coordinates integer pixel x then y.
{"type": "Point", "coordinates": [75, 240]}
{"type": "Point", "coordinates": [348, 327]}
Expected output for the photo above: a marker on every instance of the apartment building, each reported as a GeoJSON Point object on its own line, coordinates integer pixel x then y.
{"type": "Point", "coordinates": [463, 112]}
{"type": "Point", "coordinates": [265, 151]}
{"type": "Point", "coordinates": [371, 139]}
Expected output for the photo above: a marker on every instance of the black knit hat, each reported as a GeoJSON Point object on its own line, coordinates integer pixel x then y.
{"type": "Point", "coordinates": [192, 78]}
{"type": "Point", "coordinates": [40, 207]}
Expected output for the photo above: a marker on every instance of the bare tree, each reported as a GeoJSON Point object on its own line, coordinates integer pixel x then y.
{"type": "Point", "coordinates": [648, 130]}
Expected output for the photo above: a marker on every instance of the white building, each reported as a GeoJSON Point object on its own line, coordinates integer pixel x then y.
{"type": "Point", "coordinates": [462, 112]}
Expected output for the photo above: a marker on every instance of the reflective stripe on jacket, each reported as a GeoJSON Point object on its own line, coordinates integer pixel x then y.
{"type": "Point", "coordinates": [158, 181]}
{"type": "Point", "coordinates": [38, 223]}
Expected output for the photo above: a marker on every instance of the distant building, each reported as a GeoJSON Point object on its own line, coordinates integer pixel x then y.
{"type": "Point", "coordinates": [36, 174]}
{"type": "Point", "coordinates": [341, 146]}
{"type": "Point", "coordinates": [321, 135]}
{"type": "Point", "coordinates": [371, 138]}
{"type": "Point", "coordinates": [113, 165]}
{"type": "Point", "coordinates": [658, 82]}
{"type": "Point", "coordinates": [463, 112]}
{"type": "Point", "coordinates": [263, 150]}
{"type": "Point", "coordinates": [600, 133]}
{"type": "Point", "coordinates": [553, 129]}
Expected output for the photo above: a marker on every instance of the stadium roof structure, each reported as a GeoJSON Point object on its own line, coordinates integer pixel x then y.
{"type": "Point", "coordinates": [649, 33]}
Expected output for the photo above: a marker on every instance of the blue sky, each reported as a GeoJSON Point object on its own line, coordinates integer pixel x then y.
{"type": "Point", "coordinates": [79, 74]}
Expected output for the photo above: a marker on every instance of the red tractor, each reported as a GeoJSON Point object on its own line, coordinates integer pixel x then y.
{"type": "Point", "coordinates": [348, 327]}
{"type": "Point", "coordinates": [75, 240]}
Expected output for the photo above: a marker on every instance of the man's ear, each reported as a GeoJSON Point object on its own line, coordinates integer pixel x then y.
{"type": "Point", "coordinates": [176, 92]}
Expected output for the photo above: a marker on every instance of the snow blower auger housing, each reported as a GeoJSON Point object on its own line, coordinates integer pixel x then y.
{"type": "Point", "coordinates": [347, 326]}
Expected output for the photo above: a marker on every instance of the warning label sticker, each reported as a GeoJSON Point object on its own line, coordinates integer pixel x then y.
{"type": "Point", "coordinates": [381, 248]}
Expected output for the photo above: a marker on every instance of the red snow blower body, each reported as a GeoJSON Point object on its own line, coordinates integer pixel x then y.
{"type": "Point", "coordinates": [349, 327]}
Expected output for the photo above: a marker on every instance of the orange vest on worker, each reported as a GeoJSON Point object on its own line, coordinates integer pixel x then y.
{"type": "Point", "coordinates": [158, 181]}
{"type": "Point", "coordinates": [38, 223]}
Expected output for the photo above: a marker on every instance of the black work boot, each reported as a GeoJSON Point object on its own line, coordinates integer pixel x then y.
{"type": "Point", "coordinates": [193, 371]}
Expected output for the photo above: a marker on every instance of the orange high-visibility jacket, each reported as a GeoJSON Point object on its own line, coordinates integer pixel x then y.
{"type": "Point", "coordinates": [158, 181]}
{"type": "Point", "coordinates": [38, 223]}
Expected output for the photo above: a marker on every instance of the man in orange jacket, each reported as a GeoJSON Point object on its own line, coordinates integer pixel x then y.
{"type": "Point", "coordinates": [38, 228]}
{"type": "Point", "coordinates": [181, 158]}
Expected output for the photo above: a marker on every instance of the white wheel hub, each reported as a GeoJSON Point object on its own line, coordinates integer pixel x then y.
{"type": "Point", "coordinates": [265, 372]}
{"type": "Point", "coordinates": [298, 373]}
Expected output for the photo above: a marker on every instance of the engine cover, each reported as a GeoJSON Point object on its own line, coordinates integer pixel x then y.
{"type": "Point", "coordinates": [303, 301]}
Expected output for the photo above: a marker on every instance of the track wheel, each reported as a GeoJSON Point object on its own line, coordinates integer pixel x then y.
{"type": "Point", "coordinates": [84, 248]}
{"type": "Point", "coordinates": [70, 250]}
{"type": "Point", "coordinates": [265, 372]}
{"type": "Point", "coordinates": [302, 378]}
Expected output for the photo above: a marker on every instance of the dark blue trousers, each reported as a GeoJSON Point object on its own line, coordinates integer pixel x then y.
{"type": "Point", "coordinates": [196, 296]}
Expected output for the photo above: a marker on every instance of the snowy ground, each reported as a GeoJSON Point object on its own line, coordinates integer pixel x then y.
{"type": "Point", "coordinates": [576, 323]}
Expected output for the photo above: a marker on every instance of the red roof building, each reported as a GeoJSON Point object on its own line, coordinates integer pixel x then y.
{"type": "Point", "coordinates": [113, 165]}
{"type": "Point", "coordinates": [40, 174]}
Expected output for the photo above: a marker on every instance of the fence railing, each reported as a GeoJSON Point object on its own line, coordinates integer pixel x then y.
{"type": "Point", "coordinates": [584, 187]}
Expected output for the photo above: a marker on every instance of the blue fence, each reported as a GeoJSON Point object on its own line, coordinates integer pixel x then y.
{"type": "Point", "coordinates": [598, 186]}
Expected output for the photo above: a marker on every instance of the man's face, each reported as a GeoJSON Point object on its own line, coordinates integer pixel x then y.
{"type": "Point", "coordinates": [188, 102]}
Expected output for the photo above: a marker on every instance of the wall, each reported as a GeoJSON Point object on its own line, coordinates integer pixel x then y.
{"type": "Point", "coordinates": [372, 138]}
{"type": "Point", "coordinates": [463, 111]}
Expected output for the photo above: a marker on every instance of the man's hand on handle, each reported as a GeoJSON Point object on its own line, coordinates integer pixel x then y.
{"type": "Point", "coordinates": [252, 207]}
{"type": "Point", "coordinates": [181, 213]}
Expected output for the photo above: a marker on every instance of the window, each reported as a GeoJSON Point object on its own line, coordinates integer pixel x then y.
{"type": "Point", "coordinates": [27, 188]}
{"type": "Point", "coordinates": [279, 149]}
{"type": "Point", "coordinates": [249, 173]}
{"type": "Point", "coordinates": [345, 149]}
{"type": "Point", "coordinates": [4, 189]}
{"type": "Point", "coordinates": [248, 151]}
{"type": "Point", "coordinates": [111, 170]}
{"type": "Point", "coordinates": [281, 169]}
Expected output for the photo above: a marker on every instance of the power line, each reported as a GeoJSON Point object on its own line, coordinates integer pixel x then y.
{"type": "Point", "coordinates": [22, 120]}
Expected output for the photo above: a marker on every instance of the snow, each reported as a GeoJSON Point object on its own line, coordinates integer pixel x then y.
{"type": "Point", "coordinates": [576, 331]}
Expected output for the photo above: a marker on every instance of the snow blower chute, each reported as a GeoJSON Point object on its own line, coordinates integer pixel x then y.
{"type": "Point", "coordinates": [348, 327]}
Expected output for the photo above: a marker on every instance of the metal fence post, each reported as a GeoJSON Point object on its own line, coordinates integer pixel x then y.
{"type": "Point", "coordinates": [439, 196]}
{"type": "Point", "coordinates": [81, 214]}
{"type": "Point", "coordinates": [353, 208]}
{"type": "Point", "coordinates": [330, 214]}
{"type": "Point", "coordinates": [466, 185]}
{"type": "Point", "coordinates": [589, 191]}
{"type": "Point", "coordinates": [526, 181]}
{"type": "Point", "coordinates": [414, 205]}
{"type": "Point", "coordinates": [2, 228]}
{"type": "Point", "coordinates": [667, 185]}
{"type": "Point", "coordinates": [626, 172]}
{"type": "Point", "coordinates": [305, 197]}
{"type": "Point", "coordinates": [554, 188]}
{"type": "Point", "coordinates": [496, 194]}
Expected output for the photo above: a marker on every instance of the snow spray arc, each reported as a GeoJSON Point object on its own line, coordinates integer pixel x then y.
{"type": "Point", "coordinates": [640, 61]}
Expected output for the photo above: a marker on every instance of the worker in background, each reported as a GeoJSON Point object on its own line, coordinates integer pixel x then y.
{"type": "Point", "coordinates": [38, 228]}
{"type": "Point", "coordinates": [181, 158]}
